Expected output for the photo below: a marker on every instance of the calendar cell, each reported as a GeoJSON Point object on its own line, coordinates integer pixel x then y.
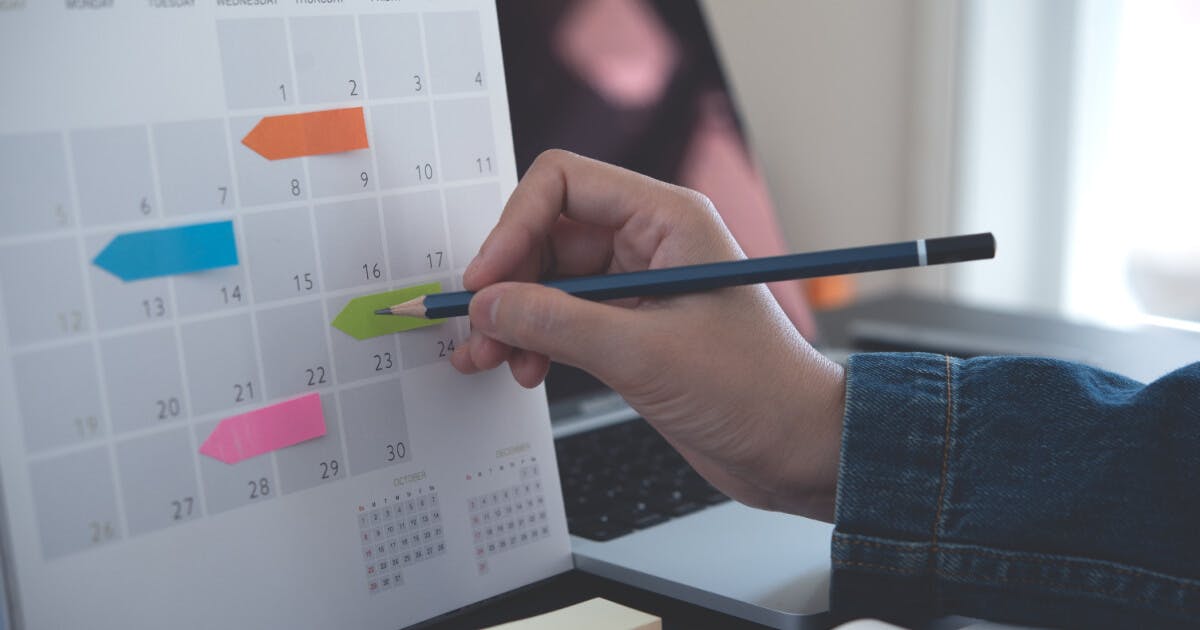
{"type": "Point", "coordinates": [341, 173]}
{"type": "Point", "coordinates": [376, 431]}
{"type": "Point", "coordinates": [193, 166]}
{"type": "Point", "coordinates": [255, 64]}
{"type": "Point", "coordinates": [314, 462]}
{"type": "Point", "coordinates": [43, 291]}
{"type": "Point", "coordinates": [209, 291]}
{"type": "Point", "coordinates": [229, 486]}
{"type": "Point", "coordinates": [471, 212]}
{"type": "Point", "coordinates": [455, 52]}
{"type": "Point", "coordinates": [392, 54]}
{"type": "Point", "coordinates": [416, 233]}
{"type": "Point", "coordinates": [221, 368]}
{"type": "Point", "coordinates": [141, 374]}
{"type": "Point", "coordinates": [51, 419]}
{"type": "Point", "coordinates": [118, 303]}
{"type": "Point", "coordinates": [465, 137]}
{"type": "Point", "coordinates": [281, 254]}
{"type": "Point", "coordinates": [33, 184]}
{"type": "Point", "coordinates": [351, 250]}
{"type": "Point", "coordinates": [262, 181]}
{"type": "Point", "coordinates": [423, 346]}
{"type": "Point", "coordinates": [406, 153]}
{"type": "Point", "coordinates": [158, 481]}
{"type": "Point", "coordinates": [295, 358]}
{"type": "Point", "coordinates": [356, 360]}
{"type": "Point", "coordinates": [112, 175]}
{"type": "Point", "coordinates": [75, 502]}
{"type": "Point", "coordinates": [325, 50]}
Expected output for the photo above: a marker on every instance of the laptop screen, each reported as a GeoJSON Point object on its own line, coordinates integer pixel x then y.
{"type": "Point", "coordinates": [637, 84]}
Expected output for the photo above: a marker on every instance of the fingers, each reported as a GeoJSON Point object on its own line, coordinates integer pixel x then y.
{"type": "Point", "coordinates": [561, 184]}
{"type": "Point", "coordinates": [537, 319]}
{"type": "Point", "coordinates": [529, 368]}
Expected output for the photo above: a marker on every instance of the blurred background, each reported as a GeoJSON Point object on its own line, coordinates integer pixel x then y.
{"type": "Point", "coordinates": [1067, 128]}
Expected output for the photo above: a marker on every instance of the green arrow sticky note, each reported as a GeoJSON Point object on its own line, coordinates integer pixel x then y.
{"type": "Point", "coordinates": [359, 320]}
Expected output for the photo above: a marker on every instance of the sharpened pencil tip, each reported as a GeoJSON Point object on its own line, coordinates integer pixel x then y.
{"type": "Point", "coordinates": [412, 308]}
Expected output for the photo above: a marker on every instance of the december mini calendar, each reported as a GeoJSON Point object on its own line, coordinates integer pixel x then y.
{"type": "Point", "coordinates": [201, 201]}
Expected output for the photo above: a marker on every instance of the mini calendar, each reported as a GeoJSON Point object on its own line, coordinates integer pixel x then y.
{"type": "Point", "coordinates": [397, 531]}
{"type": "Point", "coordinates": [200, 203]}
{"type": "Point", "coordinates": [509, 516]}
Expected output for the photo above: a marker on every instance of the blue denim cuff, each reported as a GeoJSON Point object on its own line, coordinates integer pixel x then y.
{"type": "Point", "coordinates": [895, 432]}
{"type": "Point", "coordinates": [1018, 489]}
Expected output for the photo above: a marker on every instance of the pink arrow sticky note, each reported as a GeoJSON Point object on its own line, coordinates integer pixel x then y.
{"type": "Point", "coordinates": [264, 430]}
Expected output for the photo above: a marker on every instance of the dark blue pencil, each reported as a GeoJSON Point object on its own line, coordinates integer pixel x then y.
{"type": "Point", "coordinates": [706, 277]}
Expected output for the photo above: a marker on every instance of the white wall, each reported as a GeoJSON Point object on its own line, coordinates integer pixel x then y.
{"type": "Point", "coordinates": [849, 109]}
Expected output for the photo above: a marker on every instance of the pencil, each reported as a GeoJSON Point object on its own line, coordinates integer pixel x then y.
{"type": "Point", "coordinates": [706, 277]}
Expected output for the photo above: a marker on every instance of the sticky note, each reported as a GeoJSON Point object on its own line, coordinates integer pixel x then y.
{"type": "Point", "coordinates": [169, 251]}
{"type": "Point", "coordinates": [594, 614]}
{"type": "Point", "coordinates": [309, 133]}
{"type": "Point", "coordinates": [264, 430]}
{"type": "Point", "coordinates": [358, 318]}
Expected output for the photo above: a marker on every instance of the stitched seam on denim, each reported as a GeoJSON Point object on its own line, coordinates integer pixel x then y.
{"type": "Point", "coordinates": [882, 567]}
{"type": "Point", "coordinates": [1067, 588]}
{"type": "Point", "coordinates": [937, 519]}
{"type": "Point", "coordinates": [1019, 557]}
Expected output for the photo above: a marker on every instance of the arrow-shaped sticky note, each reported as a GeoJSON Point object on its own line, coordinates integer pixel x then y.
{"type": "Point", "coordinates": [358, 318]}
{"type": "Point", "coordinates": [310, 133]}
{"type": "Point", "coordinates": [169, 251]}
{"type": "Point", "coordinates": [264, 430]}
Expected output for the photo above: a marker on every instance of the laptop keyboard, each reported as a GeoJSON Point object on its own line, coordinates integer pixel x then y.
{"type": "Point", "coordinates": [625, 477]}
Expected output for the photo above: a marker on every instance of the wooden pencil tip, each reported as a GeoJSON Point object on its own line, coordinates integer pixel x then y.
{"type": "Point", "coordinates": [412, 308]}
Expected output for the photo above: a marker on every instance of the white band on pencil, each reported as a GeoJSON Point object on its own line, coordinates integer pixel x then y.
{"type": "Point", "coordinates": [922, 257]}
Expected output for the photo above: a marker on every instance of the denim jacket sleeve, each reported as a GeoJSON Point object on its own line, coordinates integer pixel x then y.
{"type": "Point", "coordinates": [1025, 490]}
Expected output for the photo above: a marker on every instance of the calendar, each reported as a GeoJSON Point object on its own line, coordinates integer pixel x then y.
{"type": "Point", "coordinates": [202, 423]}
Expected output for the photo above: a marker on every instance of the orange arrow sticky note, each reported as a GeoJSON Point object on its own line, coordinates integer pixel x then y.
{"type": "Point", "coordinates": [310, 133]}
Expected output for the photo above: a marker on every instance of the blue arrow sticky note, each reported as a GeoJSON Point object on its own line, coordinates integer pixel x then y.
{"type": "Point", "coordinates": [169, 251]}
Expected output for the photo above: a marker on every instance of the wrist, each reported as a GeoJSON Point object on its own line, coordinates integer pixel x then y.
{"type": "Point", "coordinates": [810, 439]}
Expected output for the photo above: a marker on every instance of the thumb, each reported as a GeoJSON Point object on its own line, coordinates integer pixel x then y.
{"type": "Point", "coordinates": [578, 332]}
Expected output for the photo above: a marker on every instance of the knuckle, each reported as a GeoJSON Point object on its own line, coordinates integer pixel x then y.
{"type": "Point", "coordinates": [552, 159]}
{"type": "Point", "coordinates": [700, 202]}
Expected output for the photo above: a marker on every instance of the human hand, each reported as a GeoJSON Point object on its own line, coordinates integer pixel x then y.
{"type": "Point", "coordinates": [723, 375]}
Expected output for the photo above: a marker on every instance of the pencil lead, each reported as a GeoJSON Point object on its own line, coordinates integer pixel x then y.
{"type": "Point", "coordinates": [412, 308]}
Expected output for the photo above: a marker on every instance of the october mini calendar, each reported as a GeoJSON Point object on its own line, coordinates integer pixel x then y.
{"type": "Point", "coordinates": [196, 201]}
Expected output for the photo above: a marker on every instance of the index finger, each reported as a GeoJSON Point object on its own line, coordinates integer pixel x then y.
{"type": "Point", "coordinates": [558, 183]}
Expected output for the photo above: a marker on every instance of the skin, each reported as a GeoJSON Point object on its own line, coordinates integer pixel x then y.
{"type": "Point", "coordinates": [723, 376]}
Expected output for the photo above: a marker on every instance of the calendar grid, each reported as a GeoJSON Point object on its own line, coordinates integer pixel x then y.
{"type": "Point", "coordinates": [100, 534]}
{"type": "Point", "coordinates": [287, 35]}
{"type": "Point", "coordinates": [436, 153]}
{"type": "Point", "coordinates": [247, 205]}
{"type": "Point", "coordinates": [378, 199]}
{"type": "Point", "coordinates": [248, 210]}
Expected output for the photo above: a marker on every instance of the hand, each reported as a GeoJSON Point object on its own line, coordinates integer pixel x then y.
{"type": "Point", "coordinates": [723, 376]}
